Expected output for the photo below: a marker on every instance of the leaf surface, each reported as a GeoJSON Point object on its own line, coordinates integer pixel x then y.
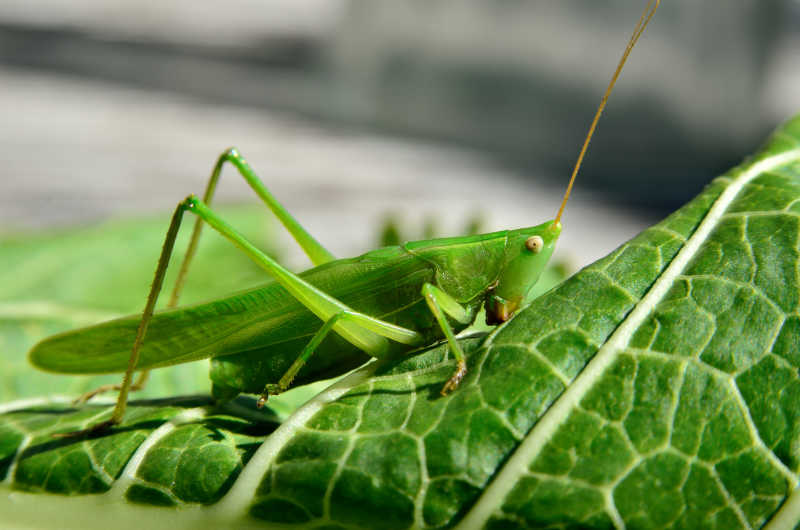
{"type": "Point", "coordinates": [656, 388]}
{"type": "Point", "coordinates": [58, 281]}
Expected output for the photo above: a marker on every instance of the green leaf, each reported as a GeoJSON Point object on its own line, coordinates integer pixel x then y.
{"type": "Point", "coordinates": [58, 281]}
{"type": "Point", "coordinates": [656, 388]}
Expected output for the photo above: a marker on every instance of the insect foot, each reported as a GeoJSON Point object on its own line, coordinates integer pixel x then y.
{"type": "Point", "coordinates": [455, 379]}
{"type": "Point", "coordinates": [268, 390]}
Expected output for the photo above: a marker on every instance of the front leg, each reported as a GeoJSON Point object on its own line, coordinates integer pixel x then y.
{"type": "Point", "coordinates": [440, 303]}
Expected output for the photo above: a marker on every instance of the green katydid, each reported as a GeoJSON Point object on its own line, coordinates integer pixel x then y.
{"type": "Point", "coordinates": [327, 320]}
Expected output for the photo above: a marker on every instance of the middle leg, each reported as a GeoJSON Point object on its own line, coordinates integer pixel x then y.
{"type": "Point", "coordinates": [384, 329]}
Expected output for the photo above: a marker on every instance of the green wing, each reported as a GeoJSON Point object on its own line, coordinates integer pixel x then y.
{"type": "Point", "coordinates": [378, 283]}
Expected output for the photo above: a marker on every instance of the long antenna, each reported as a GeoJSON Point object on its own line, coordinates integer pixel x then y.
{"type": "Point", "coordinates": [647, 14]}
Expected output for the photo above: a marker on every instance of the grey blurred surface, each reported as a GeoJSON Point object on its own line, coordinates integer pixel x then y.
{"type": "Point", "coordinates": [98, 151]}
{"type": "Point", "coordinates": [519, 78]}
{"type": "Point", "coordinates": [353, 109]}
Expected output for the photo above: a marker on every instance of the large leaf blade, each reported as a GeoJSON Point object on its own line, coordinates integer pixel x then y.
{"type": "Point", "coordinates": [656, 388]}
{"type": "Point", "coordinates": [689, 342]}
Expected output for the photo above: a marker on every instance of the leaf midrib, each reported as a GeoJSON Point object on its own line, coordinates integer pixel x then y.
{"type": "Point", "coordinates": [236, 501]}
{"type": "Point", "coordinates": [548, 424]}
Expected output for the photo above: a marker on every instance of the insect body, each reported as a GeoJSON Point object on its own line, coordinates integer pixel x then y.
{"type": "Point", "coordinates": [324, 321]}
{"type": "Point", "coordinates": [254, 336]}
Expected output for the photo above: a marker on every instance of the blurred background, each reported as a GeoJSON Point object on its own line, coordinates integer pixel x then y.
{"type": "Point", "coordinates": [435, 113]}
{"type": "Point", "coordinates": [432, 111]}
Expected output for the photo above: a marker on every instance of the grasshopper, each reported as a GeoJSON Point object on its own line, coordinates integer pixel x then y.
{"type": "Point", "coordinates": [322, 322]}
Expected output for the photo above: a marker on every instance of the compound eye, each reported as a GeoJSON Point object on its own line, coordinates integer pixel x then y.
{"type": "Point", "coordinates": [534, 244]}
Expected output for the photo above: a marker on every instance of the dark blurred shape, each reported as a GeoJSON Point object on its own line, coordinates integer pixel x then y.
{"type": "Point", "coordinates": [430, 228]}
{"type": "Point", "coordinates": [390, 233]}
{"type": "Point", "coordinates": [522, 79]}
{"type": "Point", "coordinates": [516, 78]}
{"type": "Point", "coordinates": [393, 233]}
{"type": "Point", "coordinates": [475, 224]}
{"type": "Point", "coordinates": [237, 75]}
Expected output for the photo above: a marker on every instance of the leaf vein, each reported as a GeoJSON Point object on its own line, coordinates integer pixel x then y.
{"type": "Point", "coordinates": [548, 424]}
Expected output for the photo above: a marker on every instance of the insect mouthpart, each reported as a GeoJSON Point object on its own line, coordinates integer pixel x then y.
{"type": "Point", "coordinates": [499, 310]}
